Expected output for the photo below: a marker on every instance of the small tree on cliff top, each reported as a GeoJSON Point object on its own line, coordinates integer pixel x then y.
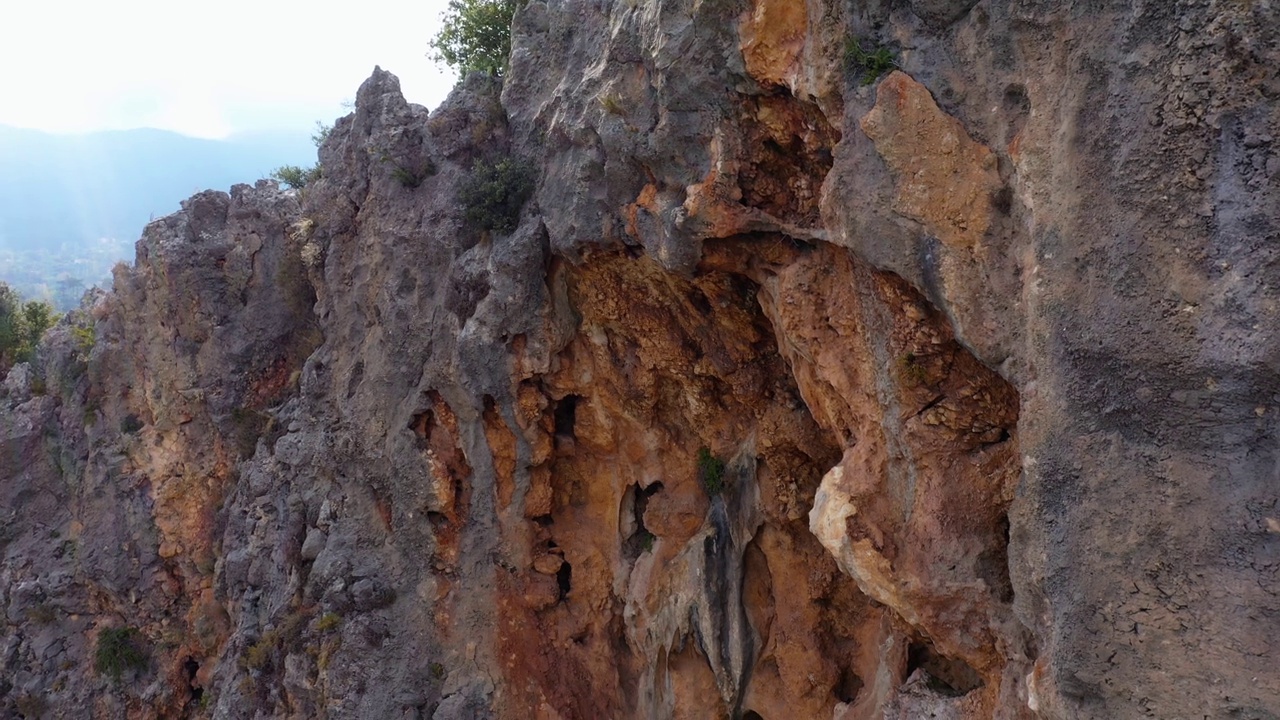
{"type": "Point", "coordinates": [476, 36]}
{"type": "Point", "coordinates": [21, 325]}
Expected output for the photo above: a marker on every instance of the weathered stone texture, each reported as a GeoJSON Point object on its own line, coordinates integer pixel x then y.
{"type": "Point", "coordinates": [985, 349]}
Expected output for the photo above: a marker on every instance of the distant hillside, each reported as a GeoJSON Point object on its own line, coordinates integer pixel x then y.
{"type": "Point", "coordinates": [73, 205]}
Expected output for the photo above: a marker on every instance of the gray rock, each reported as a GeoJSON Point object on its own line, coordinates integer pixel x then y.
{"type": "Point", "coordinates": [16, 388]}
{"type": "Point", "coordinates": [369, 594]}
{"type": "Point", "coordinates": [259, 425]}
{"type": "Point", "coordinates": [314, 544]}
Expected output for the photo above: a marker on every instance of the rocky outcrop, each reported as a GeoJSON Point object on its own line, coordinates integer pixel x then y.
{"type": "Point", "coordinates": [947, 395]}
{"type": "Point", "coordinates": [121, 451]}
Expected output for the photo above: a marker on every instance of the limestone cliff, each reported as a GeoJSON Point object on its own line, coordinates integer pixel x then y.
{"type": "Point", "coordinates": [950, 394]}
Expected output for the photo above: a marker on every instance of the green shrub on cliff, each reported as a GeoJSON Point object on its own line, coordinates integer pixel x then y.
{"type": "Point", "coordinates": [870, 63]}
{"type": "Point", "coordinates": [495, 192]}
{"type": "Point", "coordinates": [21, 326]}
{"type": "Point", "coordinates": [85, 336]}
{"type": "Point", "coordinates": [296, 177]}
{"type": "Point", "coordinates": [299, 177]}
{"type": "Point", "coordinates": [321, 133]}
{"type": "Point", "coordinates": [476, 36]}
{"type": "Point", "coordinates": [710, 472]}
{"type": "Point", "coordinates": [118, 650]}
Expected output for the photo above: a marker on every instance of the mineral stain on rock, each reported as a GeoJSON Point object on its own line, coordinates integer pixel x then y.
{"type": "Point", "coordinates": [983, 349]}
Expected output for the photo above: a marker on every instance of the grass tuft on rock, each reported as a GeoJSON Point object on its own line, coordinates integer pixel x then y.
{"type": "Point", "coordinates": [870, 61]}
{"type": "Point", "coordinates": [118, 650]}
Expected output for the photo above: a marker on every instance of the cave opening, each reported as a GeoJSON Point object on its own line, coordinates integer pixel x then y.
{"type": "Point", "coordinates": [422, 424]}
{"type": "Point", "coordinates": [951, 677]}
{"type": "Point", "coordinates": [189, 669]}
{"type": "Point", "coordinates": [847, 686]}
{"type": "Point", "coordinates": [699, 300]}
{"type": "Point", "coordinates": [993, 564]}
{"type": "Point", "coordinates": [438, 520]}
{"type": "Point", "coordinates": [641, 539]}
{"type": "Point", "coordinates": [564, 577]}
{"type": "Point", "coordinates": [566, 416]}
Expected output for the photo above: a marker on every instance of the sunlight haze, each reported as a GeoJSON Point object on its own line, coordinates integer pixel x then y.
{"type": "Point", "coordinates": [208, 70]}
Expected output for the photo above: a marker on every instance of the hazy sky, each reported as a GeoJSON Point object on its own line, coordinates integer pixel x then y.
{"type": "Point", "coordinates": [207, 68]}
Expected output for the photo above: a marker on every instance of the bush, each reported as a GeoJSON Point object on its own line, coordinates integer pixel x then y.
{"type": "Point", "coordinates": [413, 178]}
{"type": "Point", "coordinates": [258, 655]}
{"type": "Point", "coordinates": [320, 134]}
{"type": "Point", "coordinates": [296, 177]}
{"type": "Point", "coordinates": [495, 193]}
{"type": "Point", "coordinates": [118, 650]}
{"type": "Point", "coordinates": [476, 36]}
{"type": "Point", "coordinates": [281, 638]}
{"type": "Point", "coordinates": [30, 705]}
{"type": "Point", "coordinates": [329, 621]}
{"type": "Point", "coordinates": [612, 104]}
{"type": "Point", "coordinates": [911, 371]}
{"type": "Point", "coordinates": [85, 336]}
{"type": "Point", "coordinates": [42, 614]}
{"type": "Point", "coordinates": [710, 472]}
{"type": "Point", "coordinates": [871, 64]}
{"type": "Point", "coordinates": [21, 326]}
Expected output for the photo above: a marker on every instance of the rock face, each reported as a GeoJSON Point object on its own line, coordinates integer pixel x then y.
{"type": "Point", "coordinates": [949, 395]}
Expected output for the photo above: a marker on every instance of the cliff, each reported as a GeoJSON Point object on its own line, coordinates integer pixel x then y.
{"type": "Point", "coordinates": [950, 394]}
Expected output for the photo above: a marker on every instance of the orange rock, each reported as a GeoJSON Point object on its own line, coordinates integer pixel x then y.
{"type": "Point", "coordinates": [547, 564]}
{"type": "Point", "coordinates": [944, 178]}
{"type": "Point", "coordinates": [693, 687]}
{"type": "Point", "coordinates": [502, 446]}
{"type": "Point", "coordinates": [915, 510]}
{"type": "Point", "coordinates": [773, 36]}
{"type": "Point", "coordinates": [540, 592]}
{"type": "Point", "coordinates": [677, 512]}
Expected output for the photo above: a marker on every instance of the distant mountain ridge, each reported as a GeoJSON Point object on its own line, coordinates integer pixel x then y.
{"type": "Point", "coordinates": [60, 189]}
{"type": "Point", "coordinates": [71, 206]}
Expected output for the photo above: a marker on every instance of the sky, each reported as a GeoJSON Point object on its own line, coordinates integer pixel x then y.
{"type": "Point", "coordinates": [207, 69]}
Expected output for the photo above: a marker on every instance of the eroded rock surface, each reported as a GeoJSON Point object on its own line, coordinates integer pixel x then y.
{"type": "Point", "coordinates": [950, 395]}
